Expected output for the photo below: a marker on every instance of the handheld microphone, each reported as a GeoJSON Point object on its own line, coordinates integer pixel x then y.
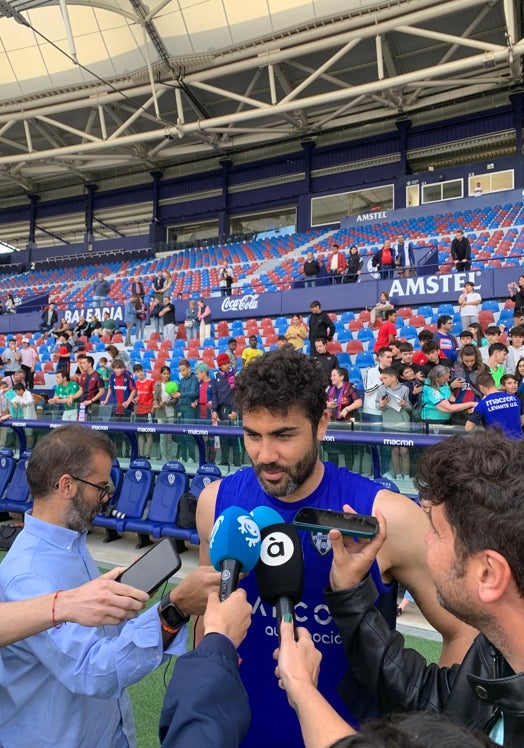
{"type": "Point", "coordinates": [280, 570]}
{"type": "Point", "coordinates": [234, 547]}
{"type": "Point", "coordinates": [265, 516]}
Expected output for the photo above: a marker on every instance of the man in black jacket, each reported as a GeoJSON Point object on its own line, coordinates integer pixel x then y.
{"type": "Point", "coordinates": [461, 251]}
{"type": "Point", "coordinates": [320, 325]}
{"type": "Point", "coordinates": [472, 487]}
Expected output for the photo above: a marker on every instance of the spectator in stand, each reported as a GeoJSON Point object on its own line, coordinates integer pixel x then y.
{"type": "Point", "coordinates": [14, 378]}
{"type": "Point", "coordinates": [296, 333]}
{"type": "Point", "coordinates": [372, 381]}
{"type": "Point", "coordinates": [321, 327]}
{"type": "Point", "coordinates": [231, 352]}
{"type": "Point", "coordinates": [496, 409]}
{"type": "Point", "coordinates": [433, 358]}
{"type": "Point", "coordinates": [519, 375]}
{"type": "Point", "coordinates": [141, 316]}
{"type": "Point", "coordinates": [67, 393]}
{"type": "Point", "coordinates": [204, 318]}
{"type": "Point", "coordinates": [324, 360]}
{"type": "Point", "coordinates": [492, 336]}
{"type": "Point", "coordinates": [121, 393]}
{"type": "Point", "coordinates": [461, 251]}
{"type": "Point", "coordinates": [109, 325]}
{"type": "Point", "coordinates": [469, 302]}
{"type": "Point", "coordinates": [164, 407]}
{"type": "Point", "coordinates": [252, 351]}
{"type": "Point", "coordinates": [465, 375]}
{"type": "Point", "coordinates": [465, 338]}
{"type": "Point", "coordinates": [101, 290]}
{"type": "Point", "coordinates": [11, 358]}
{"type": "Point", "coordinates": [223, 409]}
{"type": "Point", "coordinates": [380, 308]}
{"type": "Point", "coordinates": [444, 338]}
{"type": "Point", "coordinates": [407, 376]}
{"type": "Point", "coordinates": [81, 327]}
{"type": "Point", "coordinates": [157, 285]}
{"type": "Point", "coordinates": [167, 283]}
{"type": "Point", "coordinates": [186, 399]}
{"type": "Point", "coordinates": [387, 331]}
{"type": "Point", "coordinates": [510, 385]}
{"type": "Point", "coordinates": [438, 402]}
{"type": "Point", "coordinates": [498, 352]}
{"type": "Point", "coordinates": [205, 405]}
{"type": "Point", "coordinates": [336, 264]}
{"type": "Point", "coordinates": [130, 317]}
{"type": "Point", "coordinates": [92, 384]}
{"type": "Point", "coordinates": [393, 401]}
{"type": "Point", "coordinates": [478, 336]}
{"type": "Point", "coordinates": [137, 288]}
{"type": "Point", "coordinates": [168, 317]}
{"type": "Point", "coordinates": [143, 408]}
{"type": "Point", "coordinates": [64, 328]}
{"type": "Point", "coordinates": [93, 326]}
{"type": "Point", "coordinates": [354, 267]}
{"type": "Point", "coordinates": [477, 191]}
{"type": "Point", "coordinates": [10, 304]}
{"type": "Point", "coordinates": [516, 294]}
{"type": "Point", "coordinates": [28, 359]}
{"type": "Point", "coordinates": [64, 349]}
{"type": "Point", "coordinates": [384, 260]}
{"type": "Point", "coordinates": [24, 405]}
{"type": "Point", "coordinates": [49, 318]}
{"type": "Point", "coordinates": [191, 322]}
{"type": "Point", "coordinates": [515, 349]}
{"type": "Point", "coordinates": [424, 336]}
{"type": "Point", "coordinates": [103, 370]}
{"type": "Point", "coordinates": [226, 278]}
{"type": "Point", "coordinates": [311, 270]}
{"type": "Point", "coordinates": [405, 257]}
{"type": "Point", "coordinates": [154, 312]}
{"type": "Point", "coordinates": [343, 404]}
{"type": "Point", "coordinates": [122, 354]}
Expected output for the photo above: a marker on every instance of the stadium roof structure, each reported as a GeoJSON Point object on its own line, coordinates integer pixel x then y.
{"type": "Point", "coordinates": [92, 87]}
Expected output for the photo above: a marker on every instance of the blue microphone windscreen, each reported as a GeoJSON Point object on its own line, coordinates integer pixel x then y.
{"type": "Point", "coordinates": [235, 535]}
{"type": "Point", "coordinates": [265, 516]}
{"type": "Point", "coordinates": [280, 570]}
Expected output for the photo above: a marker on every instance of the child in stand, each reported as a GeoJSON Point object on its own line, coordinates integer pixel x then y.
{"type": "Point", "coordinates": [104, 370]}
{"type": "Point", "coordinates": [5, 411]}
{"type": "Point", "coordinates": [24, 406]}
{"type": "Point", "coordinates": [393, 400]}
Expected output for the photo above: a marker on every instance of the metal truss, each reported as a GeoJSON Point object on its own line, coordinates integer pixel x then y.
{"type": "Point", "coordinates": [390, 63]}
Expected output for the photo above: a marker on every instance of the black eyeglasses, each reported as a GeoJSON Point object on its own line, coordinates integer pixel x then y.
{"type": "Point", "coordinates": [107, 489]}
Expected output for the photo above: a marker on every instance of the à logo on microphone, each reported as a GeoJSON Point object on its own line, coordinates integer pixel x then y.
{"type": "Point", "coordinates": [276, 549]}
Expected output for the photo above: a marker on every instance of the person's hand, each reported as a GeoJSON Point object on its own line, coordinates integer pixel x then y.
{"type": "Point", "coordinates": [352, 558]}
{"type": "Point", "coordinates": [298, 661]}
{"type": "Point", "coordinates": [384, 401]}
{"type": "Point", "coordinates": [232, 617]}
{"type": "Point", "coordinates": [102, 602]}
{"type": "Point", "coordinates": [192, 593]}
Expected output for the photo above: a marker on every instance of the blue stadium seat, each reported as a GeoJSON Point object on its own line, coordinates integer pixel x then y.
{"type": "Point", "coordinates": [205, 475]}
{"type": "Point", "coordinates": [490, 305]}
{"type": "Point", "coordinates": [364, 360]}
{"type": "Point", "coordinates": [134, 495]}
{"type": "Point", "coordinates": [17, 497]}
{"type": "Point", "coordinates": [7, 468]}
{"type": "Point", "coordinates": [171, 483]}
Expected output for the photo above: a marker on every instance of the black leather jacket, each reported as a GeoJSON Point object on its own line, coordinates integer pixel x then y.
{"type": "Point", "coordinates": [398, 679]}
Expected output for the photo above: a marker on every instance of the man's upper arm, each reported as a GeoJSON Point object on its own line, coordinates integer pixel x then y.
{"type": "Point", "coordinates": [404, 557]}
{"type": "Point", "coordinates": [205, 519]}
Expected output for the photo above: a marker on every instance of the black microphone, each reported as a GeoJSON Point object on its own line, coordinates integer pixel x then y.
{"type": "Point", "coordinates": [280, 569]}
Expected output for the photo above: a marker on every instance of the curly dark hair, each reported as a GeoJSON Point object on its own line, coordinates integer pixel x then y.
{"type": "Point", "coordinates": [479, 479]}
{"type": "Point", "coordinates": [280, 380]}
{"type": "Point", "coordinates": [415, 730]}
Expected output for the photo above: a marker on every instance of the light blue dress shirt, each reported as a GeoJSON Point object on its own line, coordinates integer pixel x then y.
{"type": "Point", "coordinates": [66, 687]}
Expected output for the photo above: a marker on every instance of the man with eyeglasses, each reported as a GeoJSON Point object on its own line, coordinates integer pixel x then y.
{"type": "Point", "coordinates": [67, 686]}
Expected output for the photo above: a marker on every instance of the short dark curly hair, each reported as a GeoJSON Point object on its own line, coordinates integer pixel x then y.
{"type": "Point", "coordinates": [479, 480]}
{"type": "Point", "coordinates": [279, 380]}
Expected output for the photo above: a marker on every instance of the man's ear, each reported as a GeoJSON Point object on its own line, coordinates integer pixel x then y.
{"type": "Point", "coordinates": [323, 425]}
{"type": "Point", "coordinates": [493, 575]}
{"type": "Point", "coordinates": [65, 486]}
